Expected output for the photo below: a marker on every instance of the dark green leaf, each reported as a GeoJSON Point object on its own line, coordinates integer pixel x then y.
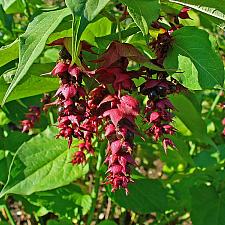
{"type": "Point", "coordinates": [64, 201]}
{"type": "Point", "coordinates": [211, 203]}
{"type": "Point", "coordinates": [42, 163]}
{"type": "Point", "coordinates": [143, 12]}
{"type": "Point", "coordinates": [5, 161]}
{"type": "Point", "coordinates": [144, 196]}
{"type": "Point", "coordinates": [192, 54]}
{"type": "Point", "coordinates": [107, 222]}
{"type": "Point", "coordinates": [32, 42]}
{"type": "Point", "coordinates": [59, 222]}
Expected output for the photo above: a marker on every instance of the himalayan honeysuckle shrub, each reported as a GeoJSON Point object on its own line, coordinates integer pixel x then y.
{"type": "Point", "coordinates": [110, 109]}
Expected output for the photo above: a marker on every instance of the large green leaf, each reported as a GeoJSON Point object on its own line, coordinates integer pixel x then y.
{"type": "Point", "coordinates": [83, 12]}
{"type": "Point", "coordinates": [9, 53]}
{"type": "Point", "coordinates": [192, 54]}
{"type": "Point", "coordinates": [215, 8]}
{"type": "Point", "coordinates": [143, 12]}
{"type": "Point", "coordinates": [32, 42]}
{"type": "Point", "coordinates": [33, 84]}
{"type": "Point", "coordinates": [42, 163]}
{"type": "Point", "coordinates": [144, 196]}
{"type": "Point", "coordinates": [211, 203]}
{"type": "Point", "coordinates": [63, 201]}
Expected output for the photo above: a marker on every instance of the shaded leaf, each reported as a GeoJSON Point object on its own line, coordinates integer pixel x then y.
{"type": "Point", "coordinates": [107, 222]}
{"type": "Point", "coordinates": [211, 203]}
{"type": "Point", "coordinates": [144, 196]}
{"type": "Point", "coordinates": [64, 201]}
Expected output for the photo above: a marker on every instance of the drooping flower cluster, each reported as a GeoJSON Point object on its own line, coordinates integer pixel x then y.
{"type": "Point", "coordinates": [158, 111]}
{"type": "Point", "coordinates": [75, 120]}
{"type": "Point", "coordinates": [119, 131]}
{"type": "Point", "coordinates": [109, 106]}
{"type": "Point", "coordinates": [31, 117]}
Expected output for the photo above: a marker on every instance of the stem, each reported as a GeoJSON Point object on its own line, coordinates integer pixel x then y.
{"type": "Point", "coordinates": [28, 10]}
{"type": "Point", "coordinates": [9, 215]}
{"type": "Point", "coordinates": [97, 183]}
{"type": "Point", "coordinates": [119, 28]}
{"type": "Point", "coordinates": [215, 102]}
{"type": "Point", "coordinates": [51, 117]}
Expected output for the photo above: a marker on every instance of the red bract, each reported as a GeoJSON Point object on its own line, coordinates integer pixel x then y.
{"type": "Point", "coordinates": [184, 13]}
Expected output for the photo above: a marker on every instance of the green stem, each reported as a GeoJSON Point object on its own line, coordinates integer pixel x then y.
{"type": "Point", "coordinates": [97, 183]}
{"type": "Point", "coordinates": [119, 28]}
{"type": "Point", "coordinates": [51, 117]}
{"type": "Point", "coordinates": [28, 10]}
{"type": "Point", "coordinates": [9, 215]}
{"type": "Point", "coordinates": [215, 102]}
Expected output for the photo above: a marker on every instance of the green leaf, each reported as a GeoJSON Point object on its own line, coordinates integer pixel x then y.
{"type": "Point", "coordinates": [191, 117]}
{"type": "Point", "coordinates": [63, 201]}
{"type": "Point", "coordinates": [211, 203]}
{"type": "Point", "coordinates": [99, 28]}
{"type": "Point", "coordinates": [42, 163]}
{"type": "Point", "coordinates": [144, 196]}
{"type": "Point", "coordinates": [103, 42]}
{"type": "Point", "coordinates": [33, 84]}
{"type": "Point", "coordinates": [215, 8]}
{"type": "Point", "coordinates": [107, 222]}
{"type": "Point", "coordinates": [192, 54]}
{"type": "Point", "coordinates": [5, 161]}
{"type": "Point", "coordinates": [9, 53]}
{"type": "Point", "coordinates": [59, 222]}
{"type": "Point", "coordinates": [83, 12]}
{"type": "Point", "coordinates": [143, 12]}
{"type": "Point", "coordinates": [13, 6]}
{"type": "Point", "coordinates": [32, 42]}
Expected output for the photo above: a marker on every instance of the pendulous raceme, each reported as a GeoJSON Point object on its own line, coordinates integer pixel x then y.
{"type": "Point", "coordinates": [110, 109]}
